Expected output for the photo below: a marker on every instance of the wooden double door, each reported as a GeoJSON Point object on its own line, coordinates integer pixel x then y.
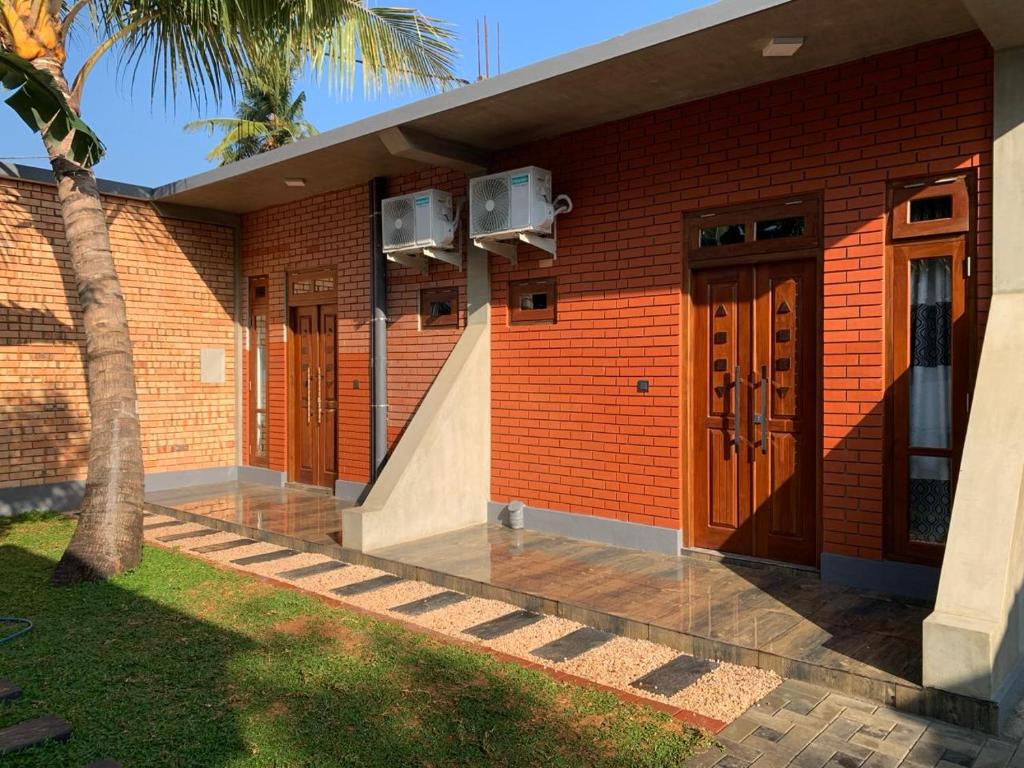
{"type": "Point", "coordinates": [315, 402]}
{"type": "Point", "coordinates": [754, 407]}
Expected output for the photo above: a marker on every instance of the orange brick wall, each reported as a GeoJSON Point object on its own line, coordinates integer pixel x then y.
{"type": "Point", "coordinates": [415, 356]}
{"type": "Point", "coordinates": [330, 230]}
{"type": "Point", "coordinates": [163, 264]}
{"type": "Point", "coordinates": [570, 431]}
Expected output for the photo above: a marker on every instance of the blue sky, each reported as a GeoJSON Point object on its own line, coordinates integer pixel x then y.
{"type": "Point", "coordinates": [145, 142]}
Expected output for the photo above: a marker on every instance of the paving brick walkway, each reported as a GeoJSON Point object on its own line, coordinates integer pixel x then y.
{"type": "Point", "coordinates": [806, 726]}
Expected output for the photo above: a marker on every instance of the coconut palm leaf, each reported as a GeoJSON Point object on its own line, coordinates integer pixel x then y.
{"type": "Point", "coordinates": [200, 46]}
{"type": "Point", "coordinates": [38, 101]}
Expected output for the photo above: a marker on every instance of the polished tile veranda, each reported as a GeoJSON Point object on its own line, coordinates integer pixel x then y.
{"type": "Point", "coordinates": [771, 617]}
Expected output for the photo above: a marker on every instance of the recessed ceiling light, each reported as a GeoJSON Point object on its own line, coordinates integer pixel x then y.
{"type": "Point", "coordinates": [295, 182]}
{"type": "Point", "coordinates": [782, 46]}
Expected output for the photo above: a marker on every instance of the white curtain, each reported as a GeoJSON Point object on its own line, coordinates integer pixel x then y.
{"type": "Point", "coordinates": [930, 387]}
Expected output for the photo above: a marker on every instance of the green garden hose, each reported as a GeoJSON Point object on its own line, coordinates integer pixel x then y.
{"type": "Point", "coordinates": [15, 620]}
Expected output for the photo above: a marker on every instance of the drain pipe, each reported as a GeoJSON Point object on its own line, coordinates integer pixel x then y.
{"type": "Point", "coordinates": [378, 333]}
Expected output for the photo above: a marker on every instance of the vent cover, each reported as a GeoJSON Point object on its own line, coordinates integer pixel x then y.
{"type": "Point", "coordinates": [398, 222]}
{"type": "Point", "coordinates": [491, 205]}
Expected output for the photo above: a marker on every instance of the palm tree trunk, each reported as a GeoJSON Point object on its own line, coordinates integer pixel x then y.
{"type": "Point", "coordinates": [108, 539]}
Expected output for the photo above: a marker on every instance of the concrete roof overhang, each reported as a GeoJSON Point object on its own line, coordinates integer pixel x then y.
{"type": "Point", "coordinates": [708, 51]}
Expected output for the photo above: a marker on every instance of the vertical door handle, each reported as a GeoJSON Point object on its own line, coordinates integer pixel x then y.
{"type": "Point", "coordinates": [763, 416]}
{"type": "Point", "coordinates": [737, 408]}
{"type": "Point", "coordinates": [309, 396]}
{"type": "Point", "coordinates": [319, 395]}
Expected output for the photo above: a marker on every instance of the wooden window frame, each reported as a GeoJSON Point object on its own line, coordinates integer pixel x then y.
{"type": "Point", "coordinates": [325, 296]}
{"type": "Point", "coordinates": [519, 316]}
{"type": "Point", "coordinates": [258, 307]}
{"type": "Point", "coordinates": [959, 186]}
{"type": "Point", "coordinates": [450, 295]}
{"type": "Point", "coordinates": [809, 243]}
{"type": "Point", "coordinates": [907, 241]}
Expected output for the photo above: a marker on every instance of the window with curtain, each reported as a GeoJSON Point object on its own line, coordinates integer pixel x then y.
{"type": "Point", "coordinates": [930, 398]}
{"type": "Point", "coordinates": [259, 368]}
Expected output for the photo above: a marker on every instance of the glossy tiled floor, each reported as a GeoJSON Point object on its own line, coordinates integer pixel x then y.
{"type": "Point", "coordinates": [787, 613]}
{"type": "Point", "coordinates": [309, 516]}
{"type": "Point", "coordinates": [760, 616]}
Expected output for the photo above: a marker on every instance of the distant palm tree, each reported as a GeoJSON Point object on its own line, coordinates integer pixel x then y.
{"type": "Point", "coordinates": [266, 117]}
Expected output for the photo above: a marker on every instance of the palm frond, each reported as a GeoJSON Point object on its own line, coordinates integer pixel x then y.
{"type": "Point", "coordinates": [40, 103]}
{"type": "Point", "coordinates": [199, 47]}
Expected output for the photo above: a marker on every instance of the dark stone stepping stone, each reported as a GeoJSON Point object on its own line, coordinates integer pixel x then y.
{"type": "Point", "coordinates": [190, 535]}
{"type": "Point", "coordinates": [9, 691]}
{"type": "Point", "coordinates": [669, 679]}
{"type": "Point", "coordinates": [266, 557]}
{"type": "Point", "coordinates": [432, 603]}
{"type": "Point", "coordinates": [223, 545]}
{"type": "Point", "coordinates": [158, 526]}
{"type": "Point", "coordinates": [572, 645]}
{"type": "Point", "coordinates": [367, 586]}
{"type": "Point", "coordinates": [31, 732]}
{"type": "Point", "coordinates": [312, 570]}
{"type": "Point", "coordinates": [502, 625]}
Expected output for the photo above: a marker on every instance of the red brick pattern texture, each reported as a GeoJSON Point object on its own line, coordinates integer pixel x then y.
{"type": "Point", "coordinates": [179, 287]}
{"type": "Point", "coordinates": [331, 230]}
{"type": "Point", "coordinates": [570, 431]}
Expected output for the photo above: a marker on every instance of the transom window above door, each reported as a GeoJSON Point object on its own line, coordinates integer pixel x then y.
{"type": "Point", "coordinates": [754, 229]}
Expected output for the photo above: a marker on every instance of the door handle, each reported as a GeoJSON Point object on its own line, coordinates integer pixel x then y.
{"type": "Point", "coordinates": [309, 396]}
{"type": "Point", "coordinates": [319, 395]}
{"type": "Point", "coordinates": [737, 408]}
{"type": "Point", "coordinates": [762, 418]}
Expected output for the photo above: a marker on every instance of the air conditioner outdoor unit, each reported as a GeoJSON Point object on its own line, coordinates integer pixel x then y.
{"type": "Point", "coordinates": [416, 222]}
{"type": "Point", "coordinates": [504, 206]}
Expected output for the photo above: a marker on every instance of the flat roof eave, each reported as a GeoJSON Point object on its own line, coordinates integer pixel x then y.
{"type": "Point", "coordinates": [707, 51]}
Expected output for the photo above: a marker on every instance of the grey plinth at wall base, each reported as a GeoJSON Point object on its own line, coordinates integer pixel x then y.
{"type": "Point", "coordinates": [262, 476]}
{"type": "Point", "coordinates": [57, 497]}
{"type": "Point", "coordinates": [67, 496]}
{"type": "Point", "coordinates": [615, 532]}
{"type": "Point", "coordinates": [185, 478]}
{"type": "Point", "coordinates": [348, 490]}
{"type": "Point", "coordinates": [920, 582]}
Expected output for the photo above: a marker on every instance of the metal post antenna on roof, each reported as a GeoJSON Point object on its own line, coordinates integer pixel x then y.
{"type": "Point", "coordinates": [479, 73]}
{"type": "Point", "coordinates": [487, 50]}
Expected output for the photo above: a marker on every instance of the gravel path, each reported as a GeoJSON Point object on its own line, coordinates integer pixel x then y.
{"type": "Point", "coordinates": [723, 694]}
{"type": "Point", "coordinates": [522, 641]}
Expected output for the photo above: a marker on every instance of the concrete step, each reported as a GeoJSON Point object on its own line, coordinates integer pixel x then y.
{"type": "Point", "coordinates": [29, 733]}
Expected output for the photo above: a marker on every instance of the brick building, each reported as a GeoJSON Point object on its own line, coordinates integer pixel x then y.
{"type": "Point", "coordinates": [763, 321]}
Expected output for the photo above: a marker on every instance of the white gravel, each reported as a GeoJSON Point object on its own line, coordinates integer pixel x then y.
{"type": "Point", "coordinates": [522, 641]}
{"type": "Point", "coordinates": [723, 694]}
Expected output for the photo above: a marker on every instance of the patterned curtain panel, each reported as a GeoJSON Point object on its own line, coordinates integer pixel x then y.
{"type": "Point", "coordinates": [930, 386]}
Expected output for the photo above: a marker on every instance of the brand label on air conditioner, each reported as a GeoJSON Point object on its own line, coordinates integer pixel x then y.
{"type": "Point", "coordinates": [523, 178]}
{"type": "Point", "coordinates": [423, 200]}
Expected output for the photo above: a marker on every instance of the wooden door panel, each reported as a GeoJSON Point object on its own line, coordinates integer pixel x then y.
{"type": "Point", "coordinates": [305, 428]}
{"type": "Point", "coordinates": [784, 453]}
{"type": "Point", "coordinates": [721, 344]}
{"type": "Point", "coordinates": [327, 397]}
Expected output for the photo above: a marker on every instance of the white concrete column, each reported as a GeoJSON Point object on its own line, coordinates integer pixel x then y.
{"type": "Point", "coordinates": [973, 642]}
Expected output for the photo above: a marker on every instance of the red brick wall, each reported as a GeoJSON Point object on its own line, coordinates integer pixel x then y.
{"type": "Point", "coordinates": [330, 230]}
{"type": "Point", "coordinates": [570, 432]}
{"type": "Point", "coordinates": [415, 356]}
{"type": "Point", "coordinates": [178, 283]}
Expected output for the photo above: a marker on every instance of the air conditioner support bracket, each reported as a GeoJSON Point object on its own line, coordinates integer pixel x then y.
{"type": "Point", "coordinates": [411, 260]}
{"type": "Point", "coordinates": [506, 250]}
{"type": "Point", "coordinates": [448, 257]}
{"type": "Point", "coordinates": [539, 241]}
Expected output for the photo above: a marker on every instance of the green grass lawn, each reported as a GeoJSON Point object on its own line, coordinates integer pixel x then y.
{"type": "Point", "coordinates": [182, 664]}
